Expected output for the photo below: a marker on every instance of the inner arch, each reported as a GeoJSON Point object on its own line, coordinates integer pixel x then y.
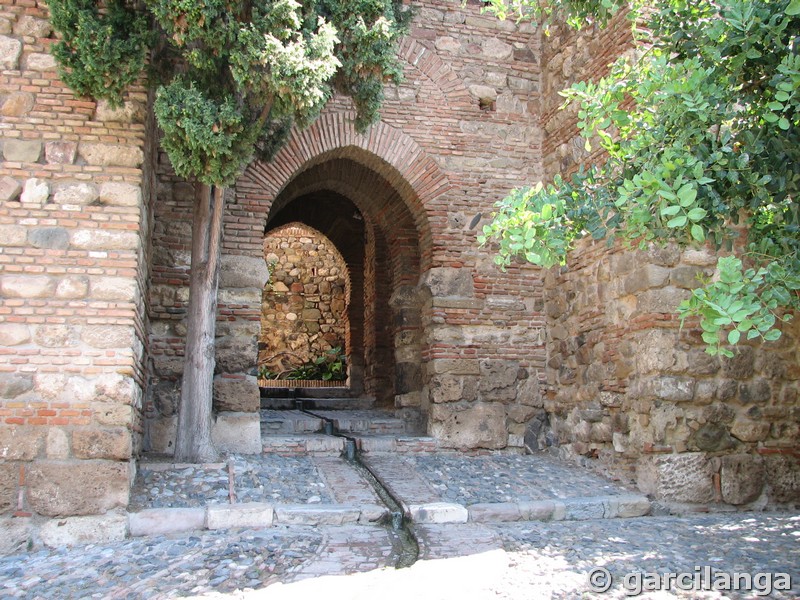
{"type": "Point", "coordinates": [374, 227]}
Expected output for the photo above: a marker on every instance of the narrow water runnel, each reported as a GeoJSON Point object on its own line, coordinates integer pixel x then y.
{"type": "Point", "coordinates": [407, 547]}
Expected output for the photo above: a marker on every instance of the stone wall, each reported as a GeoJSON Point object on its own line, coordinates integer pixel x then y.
{"type": "Point", "coordinates": [304, 307]}
{"type": "Point", "coordinates": [73, 225]}
{"type": "Point", "coordinates": [627, 389]}
{"type": "Point", "coordinates": [628, 386]}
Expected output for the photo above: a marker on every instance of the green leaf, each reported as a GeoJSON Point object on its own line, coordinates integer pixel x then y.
{"type": "Point", "coordinates": [679, 221]}
{"type": "Point", "coordinates": [670, 211]}
{"type": "Point", "coordinates": [793, 8]}
{"type": "Point", "coordinates": [772, 335]}
{"type": "Point", "coordinates": [733, 336]}
{"type": "Point", "coordinates": [697, 233]}
{"type": "Point", "coordinates": [687, 195]}
{"type": "Point", "coordinates": [784, 124]}
{"type": "Point", "coordinates": [696, 214]}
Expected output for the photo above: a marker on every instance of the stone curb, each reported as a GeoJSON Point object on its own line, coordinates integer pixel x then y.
{"type": "Point", "coordinates": [569, 509]}
{"type": "Point", "coordinates": [162, 521]}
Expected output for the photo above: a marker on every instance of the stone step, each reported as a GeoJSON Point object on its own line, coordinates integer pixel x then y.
{"type": "Point", "coordinates": [355, 422]}
{"type": "Point", "coordinates": [311, 443]}
{"type": "Point", "coordinates": [281, 422]}
{"type": "Point", "coordinates": [373, 422]}
{"type": "Point", "coordinates": [288, 402]}
{"type": "Point", "coordinates": [396, 444]}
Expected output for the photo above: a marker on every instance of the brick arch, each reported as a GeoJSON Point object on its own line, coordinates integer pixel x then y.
{"type": "Point", "coordinates": [386, 150]}
{"type": "Point", "coordinates": [443, 77]}
{"type": "Point", "coordinates": [379, 203]}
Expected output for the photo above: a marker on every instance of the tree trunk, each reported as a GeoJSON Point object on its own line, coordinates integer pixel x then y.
{"type": "Point", "coordinates": [193, 443]}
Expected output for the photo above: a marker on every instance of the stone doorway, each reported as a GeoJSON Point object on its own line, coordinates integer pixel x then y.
{"type": "Point", "coordinates": [364, 218]}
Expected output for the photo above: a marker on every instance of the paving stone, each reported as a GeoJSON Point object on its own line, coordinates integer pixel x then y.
{"type": "Point", "coordinates": [81, 530]}
{"type": "Point", "coordinates": [251, 514]}
{"type": "Point", "coordinates": [495, 512]}
{"type": "Point", "coordinates": [160, 521]}
{"type": "Point", "coordinates": [437, 512]}
{"type": "Point", "coordinates": [304, 514]}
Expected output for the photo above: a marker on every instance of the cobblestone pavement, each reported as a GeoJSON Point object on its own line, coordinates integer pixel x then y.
{"type": "Point", "coordinates": [457, 562]}
{"type": "Point", "coordinates": [257, 478]}
{"type": "Point", "coordinates": [470, 480]}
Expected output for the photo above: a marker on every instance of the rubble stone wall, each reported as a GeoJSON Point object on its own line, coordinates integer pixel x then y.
{"type": "Point", "coordinates": [633, 391]}
{"type": "Point", "coordinates": [304, 307]}
{"type": "Point", "coordinates": [73, 255]}
{"type": "Point", "coordinates": [630, 392]}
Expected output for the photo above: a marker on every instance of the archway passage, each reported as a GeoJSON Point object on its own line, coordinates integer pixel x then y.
{"type": "Point", "coordinates": [346, 197]}
{"type": "Point", "coordinates": [305, 332]}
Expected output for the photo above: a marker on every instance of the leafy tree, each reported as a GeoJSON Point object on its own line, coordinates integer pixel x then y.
{"type": "Point", "coordinates": [239, 75]}
{"type": "Point", "coordinates": [700, 125]}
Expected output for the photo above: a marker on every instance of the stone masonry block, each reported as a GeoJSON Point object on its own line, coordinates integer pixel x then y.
{"type": "Point", "coordinates": [104, 239]}
{"type": "Point", "coordinates": [23, 151]}
{"type": "Point", "coordinates": [494, 512]}
{"type": "Point", "coordinates": [112, 444]}
{"type": "Point", "coordinates": [17, 104]}
{"type": "Point", "coordinates": [303, 514]}
{"type": "Point", "coordinates": [78, 194]}
{"type": "Point", "coordinates": [661, 300]}
{"type": "Point", "coordinates": [476, 426]}
{"type": "Point", "coordinates": [40, 61]}
{"type": "Point", "coordinates": [108, 336]}
{"type": "Point", "coordinates": [9, 479]}
{"type": "Point", "coordinates": [35, 191]}
{"type": "Point", "coordinates": [646, 277]}
{"type": "Point", "coordinates": [71, 531]}
{"type": "Point", "coordinates": [449, 282]}
{"type": "Point", "coordinates": [677, 477]}
{"type": "Point", "coordinates": [741, 478]}
{"type": "Point", "coordinates": [27, 286]}
{"type": "Point", "coordinates": [10, 189]}
{"type": "Point", "coordinates": [54, 238]}
{"type": "Point", "coordinates": [783, 476]}
{"type": "Point", "coordinates": [113, 288]}
{"type": "Point", "coordinates": [237, 432]}
{"type": "Point", "coordinates": [129, 112]}
{"type": "Point", "coordinates": [120, 194]}
{"type": "Point", "coordinates": [17, 535]}
{"type": "Point", "coordinates": [10, 50]}
{"type": "Point", "coordinates": [20, 442]}
{"type": "Point", "coordinates": [236, 395]}
{"type": "Point", "coordinates": [438, 512]}
{"type": "Point", "coordinates": [110, 155]}
{"type": "Point", "coordinates": [243, 272]}
{"type": "Point", "coordinates": [72, 287]}
{"type": "Point", "coordinates": [30, 26]}
{"type": "Point", "coordinates": [60, 153]}
{"type": "Point", "coordinates": [14, 334]}
{"type": "Point", "coordinates": [58, 489]}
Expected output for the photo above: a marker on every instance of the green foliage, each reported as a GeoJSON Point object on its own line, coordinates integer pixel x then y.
{"type": "Point", "coordinates": [240, 75]}
{"type": "Point", "coordinates": [100, 52]}
{"type": "Point", "coordinates": [700, 128]}
{"type": "Point", "coordinates": [331, 366]}
{"type": "Point", "coordinates": [576, 13]}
